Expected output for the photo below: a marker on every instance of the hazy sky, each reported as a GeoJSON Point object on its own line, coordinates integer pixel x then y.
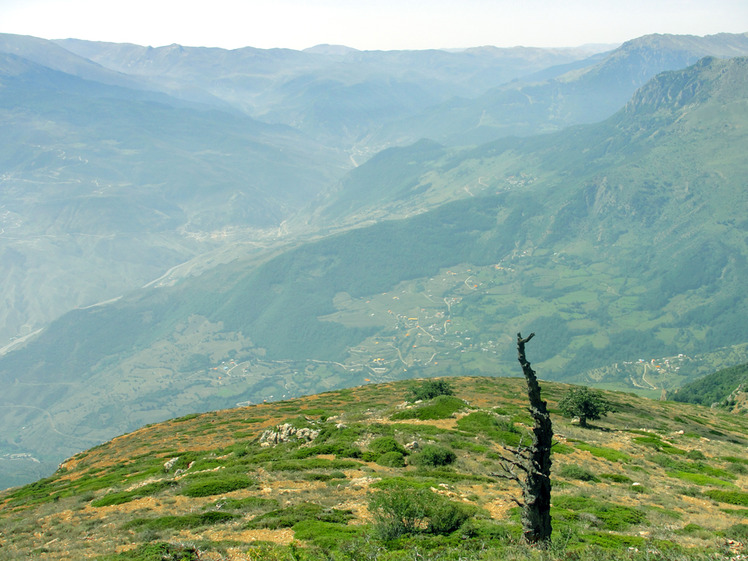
{"type": "Point", "coordinates": [369, 24]}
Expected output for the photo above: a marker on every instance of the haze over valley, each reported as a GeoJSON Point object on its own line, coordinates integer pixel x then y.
{"type": "Point", "coordinates": [185, 229]}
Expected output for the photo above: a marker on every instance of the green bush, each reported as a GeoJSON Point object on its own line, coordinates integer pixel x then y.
{"type": "Point", "coordinates": [324, 476]}
{"type": "Point", "coordinates": [612, 541]}
{"type": "Point", "coordinates": [292, 515]}
{"type": "Point", "coordinates": [432, 455]}
{"type": "Point", "coordinates": [156, 552]}
{"type": "Point", "coordinates": [737, 532]}
{"type": "Point", "coordinates": [311, 464]}
{"type": "Point", "coordinates": [602, 452]}
{"type": "Point", "coordinates": [736, 460]}
{"type": "Point", "coordinates": [739, 469]}
{"type": "Point", "coordinates": [429, 389]}
{"type": "Point", "coordinates": [573, 471]}
{"type": "Point", "coordinates": [488, 531]}
{"type": "Point", "coordinates": [182, 522]}
{"type": "Point", "coordinates": [385, 444]}
{"type": "Point", "coordinates": [615, 477]}
{"type": "Point", "coordinates": [696, 531]}
{"type": "Point", "coordinates": [445, 516]}
{"type": "Point", "coordinates": [488, 424]}
{"type": "Point", "coordinates": [326, 535]}
{"type": "Point", "coordinates": [216, 486]}
{"type": "Point", "coordinates": [127, 496]}
{"type": "Point", "coordinates": [339, 449]}
{"type": "Point", "coordinates": [739, 498]}
{"type": "Point", "coordinates": [403, 509]}
{"type": "Point", "coordinates": [695, 455]}
{"type": "Point", "coordinates": [441, 407]}
{"type": "Point", "coordinates": [658, 444]}
{"type": "Point", "coordinates": [391, 459]}
{"type": "Point", "coordinates": [698, 478]}
{"type": "Point", "coordinates": [611, 516]}
{"type": "Point", "coordinates": [561, 448]}
{"type": "Point", "coordinates": [247, 504]}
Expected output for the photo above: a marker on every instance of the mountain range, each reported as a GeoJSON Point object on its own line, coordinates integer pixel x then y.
{"type": "Point", "coordinates": [179, 235]}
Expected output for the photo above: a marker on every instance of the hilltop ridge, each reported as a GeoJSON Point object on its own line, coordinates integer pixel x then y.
{"type": "Point", "coordinates": [654, 476]}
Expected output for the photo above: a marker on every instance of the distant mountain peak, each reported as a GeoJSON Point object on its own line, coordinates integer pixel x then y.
{"type": "Point", "coordinates": [334, 50]}
{"type": "Point", "coordinates": [679, 88]}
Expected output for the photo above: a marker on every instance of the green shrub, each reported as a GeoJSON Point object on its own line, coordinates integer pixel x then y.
{"type": "Point", "coordinates": [488, 531]}
{"type": "Point", "coordinates": [573, 471]}
{"type": "Point", "coordinates": [612, 541]}
{"type": "Point", "coordinates": [696, 531]}
{"type": "Point", "coordinates": [187, 417]}
{"type": "Point", "coordinates": [561, 448]}
{"type": "Point", "coordinates": [658, 444]}
{"type": "Point", "coordinates": [611, 516]}
{"type": "Point", "coordinates": [441, 407]}
{"type": "Point", "coordinates": [739, 498]}
{"type": "Point", "coordinates": [445, 516]}
{"type": "Point", "coordinates": [738, 512]}
{"type": "Point", "coordinates": [339, 449]}
{"type": "Point", "coordinates": [701, 473]}
{"type": "Point", "coordinates": [324, 476]}
{"type": "Point", "coordinates": [326, 535]}
{"type": "Point", "coordinates": [156, 552]}
{"type": "Point", "coordinates": [429, 389]}
{"type": "Point", "coordinates": [488, 424]}
{"type": "Point", "coordinates": [698, 478]}
{"type": "Point", "coordinates": [127, 496]}
{"type": "Point", "coordinates": [739, 469]}
{"type": "Point", "coordinates": [385, 444]}
{"type": "Point", "coordinates": [292, 515]}
{"type": "Point", "coordinates": [404, 509]}
{"type": "Point", "coordinates": [216, 485]}
{"type": "Point", "coordinates": [311, 464]}
{"type": "Point", "coordinates": [615, 477]}
{"type": "Point", "coordinates": [737, 532]}
{"type": "Point", "coordinates": [432, 455]}
{"type": "Point", "coordinates": [397, 511]}
{"type": "Point", "coordinates": [602, 452]}
{"type": "Point", "coordinates": [247, 504]}
{"type": "Point", "coordinates": [391, 459]}
{"type": "Point", "coordinates": [182, 522]}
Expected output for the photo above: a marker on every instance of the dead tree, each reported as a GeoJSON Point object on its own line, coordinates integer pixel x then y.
{"type": "Point", "coordinates": [530, 466]}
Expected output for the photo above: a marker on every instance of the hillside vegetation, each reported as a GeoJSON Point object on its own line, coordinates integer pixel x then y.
{"type": "Point", "coordinates": [726, 388]}
{"type": "Point", "coordinates": [366, 474]}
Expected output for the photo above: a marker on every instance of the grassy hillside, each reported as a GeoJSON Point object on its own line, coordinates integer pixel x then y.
{"type": "Point", "coordinates": [324, 477]}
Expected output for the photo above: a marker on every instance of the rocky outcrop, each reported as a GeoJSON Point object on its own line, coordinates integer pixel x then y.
{"type": "Point", "coordinates": [287, 433]}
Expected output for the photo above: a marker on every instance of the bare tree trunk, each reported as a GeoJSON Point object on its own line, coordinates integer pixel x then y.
{"type": "Point", "coordinates": [536, 487]}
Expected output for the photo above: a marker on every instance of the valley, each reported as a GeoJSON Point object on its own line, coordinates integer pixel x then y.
{"type": "Point", "coordinates": [278, 231]}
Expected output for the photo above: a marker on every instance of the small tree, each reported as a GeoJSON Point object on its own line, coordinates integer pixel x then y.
{"type": "Point", "coordinates": [585, 404]}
